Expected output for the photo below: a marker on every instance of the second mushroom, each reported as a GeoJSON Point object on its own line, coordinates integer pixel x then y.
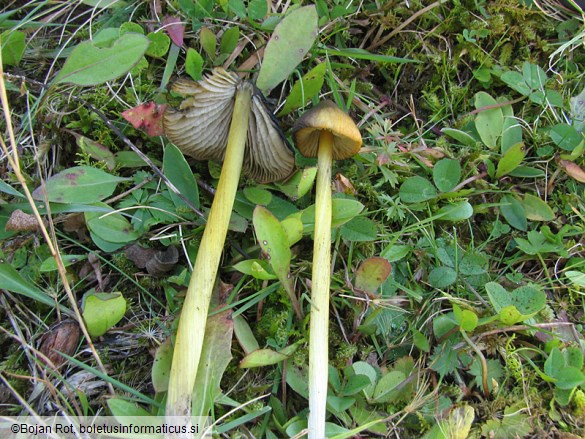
{"type": "Point", "coordinates": [325, 132]}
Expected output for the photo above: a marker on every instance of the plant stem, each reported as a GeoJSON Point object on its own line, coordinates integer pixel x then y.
{"type": "Point", "coordinates": [191, 330]}
{"type": "Point", "coordinates": [319, 323]}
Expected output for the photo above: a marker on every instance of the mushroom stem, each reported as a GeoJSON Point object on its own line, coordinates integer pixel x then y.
{"type": "Point", "coordinates": [191, 329]}
{"type": "Point", "coordinates": [319, 318]}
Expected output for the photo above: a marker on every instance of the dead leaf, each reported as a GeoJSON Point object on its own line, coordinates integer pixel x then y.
{"type": "Point", "coordinates": [573, 170]}
{"type": "Point", "coordinates": [61, 337]}
{"type": "Point", "coordinates": [21, 222]}
{"type": "Point", "coordinates": [343, 185]}
{"type": "Point", "coordinates": [175, 29]}
{"type": "Point", "coordinates": [147, 117]}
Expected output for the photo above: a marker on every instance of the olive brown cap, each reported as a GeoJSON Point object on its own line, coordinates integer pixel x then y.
{"type": "Point", "coordinates": [347, 139]}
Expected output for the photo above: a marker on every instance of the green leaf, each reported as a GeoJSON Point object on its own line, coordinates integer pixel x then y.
{"type": "Point", "coordinates": [446, 174]}
{"type": "Point", "coordinates": [359, 229]}
{"type": "Point", "coordinates": [262, 357]}
{"type": "Point", "coordinates": [511, 130]}
{"type": "Point", "coordinates": [442, 277]}
{"type": "Point", "coordinates": [371, 274]}
{"type": "Point", "coordinates": [257, 268]}
{"type": "Point", "coordinates": [216, 354]}
{"type": "Point", "coordinates": [258, 196]}
{"type": "Point", "coordinates": [513, 212]}
{"type": "Point", "coordinates": [101, 311]}
{"type": "Point", "coordinates": [7, 189]}
{"type": "Point", "coordinates": [534, 76]}
{"type": "Point", "coordinates": [569, 377]}
{"type": "Point", "coordinates": [11, 280]}
{"type": "Point", "coordinates": [257, 9]}
{"type": "Point", "coordinates": [537, 209]}
{"type": "Point", "coordinates": [342, 211]}
{"type": "Point", "coordinates": [110, 227]}
{"type": "Point", "coordinates": [466, 319]}
{"type": "Point", "coordinates": [178, 171]}
{"type": "Point", "coordinates": [537, 243]}
{"type": "Point", "coordinates": [237, 7]}
{"type": "Point", "coordinates": [565, 136]}
{"type": "Point", "coordinates": [229, 40]}
{"type": "Point", "coordinates": [510, 160]}
{"type": "Point", "coordinates": [159, 44]}
{"type": "Point", "coordinates": [13, 43]}
{"type": "Point", "coordinates": [208, 42]}
{"type": "Point", "coordinates": [305, 89]}
{"type": "Point", "coordinates": [516, 81]}
{"type": "Point", "coordinates": [123, 408]}
{"type": "Point", "coordinates": [514, 423]}
{"type": "Point", "coordinates": [526, 300]}
{"type": "Point", "coordinates": [420, 341]}
{"type": "Point", "coordinates": [299, 184]}
{"type": "Point", "coordinates": [461, 136]}
{"type": "Point", "coordinates": [81, 184]}
{"type": "Point", "coordinates": [395, 252]}
{"type": "Point", "coordinates": [455, 212]}
{"type": "Point", "coordinates": [417, 189]}
{"type": "Point", "coordinates": [194, 64]}
{"type": "Point", "coordinates": [489, 123]}
{"type": "Point", "coordinates": [90, 65]}
{"type": "Point", "coordinates": [161, 366]}
{"type": "Point", "coordinates": [288, 45]}
{"type": "Point", "coordinates": [244, 334]}
{"type": "Point", "coordinates": [293, 226]}
{"type": "Point", "coordinates": [97, 151]}
{"type": "Point", "coordinates": [50, 264]}
{"type": "Point", "coordinates": [357, 53]}
{"type": "Point", "coordinates": [576, 277]}
{"type": "Point", "coordinates": [387, 384]}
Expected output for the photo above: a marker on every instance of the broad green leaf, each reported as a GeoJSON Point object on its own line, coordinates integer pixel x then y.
{"type": "Point", "coordinates": [565, 136]}
{"type": "Point", "coordinates": [342, 211]}
{"type": "Point", "coordinates": [7, 189]}
{"type": "Point", "coordinates": [396, 252]}
{"type": "Point", "coordinates": [534, 76]}
{"type": "Point", "coordinates": [274, 243]}
{"type": "Point", "coordinates": [526, 172]}
{"type": "Point", "coordinates": [237, 7]}
{"type": "Point", "coordinates": [577, 277]}
{"type": "Point", "coordinates": [90, 65]}
{"type": "Point", "coordinates": [258, 196]}
{"type": "Point", "coordinates": [461, 136]}
{"type": "Point", "coordinates": [81, 184]}
{"type": "Point", "coordinates": [420, 341]}
{"type": "Point", "coordinates": [178, 171]}
{"type": "Point", "coordinates": [161, 366]}
{"type": "Point", "coordinates": [569, 377]}
{"type": "Point", "coordinates": [510, 160]}
{"type": "Point", "coordinates": [50, 264]}
{"type": "Point", "coordinates": [288, 45]}
{"type": "Point", "coordinates": [357, 53]}
{"type": "Point", "coordinates": [359, 229]}
{"type": "Point", "coordinates": [466, 319]}
{"type": "Point", "coordinates": [488, 122]}
{"type": "Point", "coordinates": [514, 423]}
{"type": "Point", "coordinates": [208, 42]}
{"type": "Point", "coordinates": [257, 268]}
{"type": "Point", "coordinates": [446, 174]}
{"type": "Point", "coordinates": [371, 274]}
{"type": "Point", "coordinates": [299, 184]}
{"type": "Point", "coordinates": [104, 3]}
{"type": "Point", "coordinates": [537, 209]}
{"type": "Point", "coordinates": [442, 277]}
{"type": "Point", "coordinates": [101, 311]}
{"type": "Point", "coordinates": [229, 40]}
{"type": "Point", "coordinates": [257, 9]}
{"type": "Point", "coordinates": [417, 189]}
{"type": "Point", "coordinates": [123, 408]}
{"type": "Point", "coordinates": [159, 44]}
{"type": "Point", "coordinates": [110, 227]}
{"type": "Point", "coordinates": [244, 334]}
{"type": "Point", "coordinates": [12, 44]}
{"type": "Point", "coordinates": [516, 81]}
{"type": "Point", "coordinates": [262, 357]}
{"type": "Point", "coordinates": [304, 89]}
{"type": "Point", "coordinates": [513, 211]}
{"type": "Point", "coordinates": [11, 280]}
{"type": "Point", "coordinates": [194, 64]}
{"type": "Point", "coordinates": [459, 211]}
{"type": "Point", "coordinates": [388, 383]}
{"type": "Point", "coordinates": [526, 299]}
{"type": "Point", "coordinates": [97, 151]}
{"type": "Point", "coordinates": [215, 357]}
{"type": "Point", "coordinates": [293, 227]}
{"type": "Point", "coordinates": [511, 130]}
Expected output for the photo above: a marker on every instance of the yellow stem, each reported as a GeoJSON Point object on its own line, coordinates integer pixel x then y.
{"type": "Point", "coordinates": [319, 324]}
{"type": "Point", "coordinates": [190, 333]}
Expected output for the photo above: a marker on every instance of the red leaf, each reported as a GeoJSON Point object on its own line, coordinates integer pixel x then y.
{"type": "Point", "coordinates": [175, 29]}
{"type": "Point", "coordinates": [147, 117]}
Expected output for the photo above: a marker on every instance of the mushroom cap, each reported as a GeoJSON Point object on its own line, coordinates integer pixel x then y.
{"type": "Point", "coordinates": [201, 125]}
{"type": "Point", "coordinates": [347, 139]}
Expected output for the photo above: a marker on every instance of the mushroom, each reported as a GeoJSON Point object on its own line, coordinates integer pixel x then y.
{"type": "Point", "coordinates": [325, 132]}
{"type": "Point", "coordinates": [219, 110]}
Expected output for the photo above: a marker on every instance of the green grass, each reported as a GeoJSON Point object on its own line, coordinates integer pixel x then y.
{"type": "Point", "coordinates": [481, 225]}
